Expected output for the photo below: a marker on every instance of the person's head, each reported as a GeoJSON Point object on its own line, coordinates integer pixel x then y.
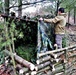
{"type": "Point", "coordinates": [13, 14]}
{"type": "Point", "coordinates": [61, 10]}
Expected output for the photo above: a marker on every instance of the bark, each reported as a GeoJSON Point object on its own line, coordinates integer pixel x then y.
{"type": "Point", "coordinates": [58, 50]}
{"type": "Point", "coordinates": [47, 58]}
{"type": "Point", "coordinates": [58, 3]}
{"type": "Point", "coordinates": [6, 7]}
{"type": "Point", "coordinates": [72, 49]}
{"type": "Point", "coordinates": [23, 70]}
{"type": "Point", "coordinates": [72, 55]}
{"type": "Point", "coordinates": [41, 66]}
{"type": "Point", "coordinates": [68, 16]}
{"type": "Point", "coordinates": [19, 8]}
{"type": "Point", "coordinates": [66, 67]}
{"type": "Point", "coordinates": [31, 73]}
{"type": "Point", "coordinates": [56, 55]}
{"type": "Point", "coordinates": [21, 60]}
{"type": "Point", "coordinates": [74, 14]}
{"type": "Point", "coordinates": [44, 69]}
{"type": "Point", "coordinates": [44, 59]}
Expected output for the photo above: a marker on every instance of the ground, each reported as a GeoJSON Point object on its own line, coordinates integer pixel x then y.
{"type": "Point", "coordinates": [71, 34]}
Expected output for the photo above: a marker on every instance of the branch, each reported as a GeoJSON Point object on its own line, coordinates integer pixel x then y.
{"type": "Point", "coordinates": [27, 4]}
{"type": "Point", "coordinates": [30, 6]}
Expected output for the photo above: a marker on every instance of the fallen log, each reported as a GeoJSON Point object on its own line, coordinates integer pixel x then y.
{"type": "Point", "coordinates": [41, 66]}
{"type": "Point", "coordinates": [58, 50]}
{"type": "Point", "coordinates": [31, 73]}
{"type": "Point", "coordinates": [58, 54]}
{"type": "Point", "coordinates": [44, 59]}
{"type": "Point", "coordinates": [55, 60]}
{"type": "Point", "coordinates": [21, 60]}
{"type": "Point", "coordinates": [18, 67]}
{"type": "Point", "coordinates": [61, 73]}
{"type": "Point", "coordinates": [44, 69]}
{"type": "Point", "coordinates": [57, 70]}
{"type": "Point", "coordinates": [47, 58]}
{"type": "Point", "coordinates": [72, 55]}
{"type": "Point", "coordinates": [72, 49]}
{"type": "Point", "coordinates": [56, 65]}
{"type": "Point", "coordinates": [66, 72]}
{"type": "Point", "coordinates": [23, 70]}
{"type": "Point", "coordinates": [63, 67]}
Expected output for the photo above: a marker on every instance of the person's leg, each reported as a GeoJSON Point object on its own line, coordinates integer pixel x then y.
{"type": "Point", "coordinates": [59, 44]}
{"type": "Point", "coordinates": [58, 39]}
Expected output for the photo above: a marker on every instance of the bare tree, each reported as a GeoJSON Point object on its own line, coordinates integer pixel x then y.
{"type": "Point", "coordinates": [6, 7]}
{"type": "Point", "coordinates": [74, 15]}
{"type": "Point", "coordinates": [19, 8]}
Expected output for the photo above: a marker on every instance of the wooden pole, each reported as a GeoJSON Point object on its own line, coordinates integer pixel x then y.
{"type": "Point", "coordinates": [21, 60]}
{"type": "Point", "coordinates": [41, 66]}
{"type": "Point", "coordinates": [23, 70]}
{"type": "Point", "coordinates": [44, 59]}
{"type": "Point", "coordinates": [58, 50]}
{"type": "Point", "coordinates": [44, 69]}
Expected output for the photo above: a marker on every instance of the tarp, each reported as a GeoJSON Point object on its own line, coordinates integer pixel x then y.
{"type": "Point", "coordinates": [43, 38]}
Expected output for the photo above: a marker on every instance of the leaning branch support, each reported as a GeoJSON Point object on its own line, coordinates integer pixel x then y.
{"type": "Point", "coordinates": [21, 60]}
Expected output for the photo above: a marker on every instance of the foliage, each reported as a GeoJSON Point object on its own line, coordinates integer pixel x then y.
{"type": "Point", "coordinates": [17, 32]}
{"type": "Point", "coordinates": [27, 52]}
{"type": "Point", "coordinates": [68, 4]}
{"type": "Point", "coordinates": [1, 6]}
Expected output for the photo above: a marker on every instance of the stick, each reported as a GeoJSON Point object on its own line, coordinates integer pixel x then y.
{"type": "Point", "coordinates": [58, 50]}
{"type": "Point", "coordinates": [21, 60]}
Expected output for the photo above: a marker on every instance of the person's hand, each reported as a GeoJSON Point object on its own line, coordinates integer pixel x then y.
{"type": "Point", "coordinates": [41, 19]}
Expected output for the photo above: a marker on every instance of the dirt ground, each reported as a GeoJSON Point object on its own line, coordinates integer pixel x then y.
{"type": "Point", "coordinates": [71, 35]}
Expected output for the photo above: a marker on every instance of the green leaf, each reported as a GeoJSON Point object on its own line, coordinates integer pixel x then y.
{"type": "Point", "coordinates": [21, 35]}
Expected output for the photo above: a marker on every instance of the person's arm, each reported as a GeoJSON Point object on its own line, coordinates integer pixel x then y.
{"type": "Point", "coordinates": [54, 20]}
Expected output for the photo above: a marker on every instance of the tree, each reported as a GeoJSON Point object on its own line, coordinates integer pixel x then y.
{"type": "Point", "coordinates": [69, 5]}
{"type": "Point", "coordinates": [6, 7]}
{"type": "Point", "coordinates": [19, 8]}
{"type": "Point", "coordinates": [74, 14]}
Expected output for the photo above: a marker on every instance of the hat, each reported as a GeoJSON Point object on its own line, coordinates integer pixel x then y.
{"type": "Point", "coordinates": [61, 10]}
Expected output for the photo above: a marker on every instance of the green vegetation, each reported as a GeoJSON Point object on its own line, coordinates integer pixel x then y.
{"type": "Point", "coordinates": [27, 52]}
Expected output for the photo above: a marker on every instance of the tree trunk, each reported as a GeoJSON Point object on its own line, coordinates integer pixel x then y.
{"type": "Point", "coordinates": [44, 59]}
{"type": "Point", "coordinates": [58, 3]}
{"type": "Point", "coordinates": [74, 14]}
{"type": "Point", "coordinates": [7, 7]}
{"type": "Point", "coordinates": [21, 60]}
{"type": "Point", "coordinates": [41, 66]}
{"type": "Point", "coordinates": [68, 16]}
{"type": "Point", "coordinates": [19, 8]}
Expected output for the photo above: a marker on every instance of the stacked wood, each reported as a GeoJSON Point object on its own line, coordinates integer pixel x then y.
{"type": "Point", "coordinates": [41, 66]}
{"type": "Point", "coordinates": [58, 50]}
{"type": "Point", "coordinates": [48, 61]}
{"type": "Point", "coordinates": [56, 54]}
{"type": "Point", "coordinates": [44, 59]}
{"type": "Point", "coordinates": [21, 60]}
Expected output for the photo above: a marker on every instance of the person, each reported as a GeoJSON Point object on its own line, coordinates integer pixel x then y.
{"type": "Point", "coordinates": [60, 22]}
{"type": "Point", "coordinates": [13, 14]}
